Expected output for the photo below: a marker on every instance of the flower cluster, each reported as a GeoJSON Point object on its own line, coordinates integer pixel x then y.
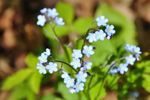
{"type": "Point", "coordinates": [49, 15]}
{"type": "Point", "coordinates": [43, 65]}
{"type": "Point", "coordinates": [100, 34]}
{"type": "Point", "coordinates": [75, 83]}
{"type": "Point", "coordinates": [129, 60]}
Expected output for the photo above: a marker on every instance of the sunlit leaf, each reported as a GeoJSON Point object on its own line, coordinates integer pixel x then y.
{"type": "Point", "coordinates": [16, 79]}
{"type": "Point", "coordinates": [35, 82]}
{"type": "Point", "coordinates": [68, 8]}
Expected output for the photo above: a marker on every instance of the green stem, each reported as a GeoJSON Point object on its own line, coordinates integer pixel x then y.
{"type": "Point", "coordinates": [61, 44]}
{"type": "Point", "coordinates": [64, 63]}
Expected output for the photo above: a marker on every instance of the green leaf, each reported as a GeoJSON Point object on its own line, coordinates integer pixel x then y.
{"type": "Point", "coordinates": [97, 92]}
{"type": "Point", "coordinates": [65, 93]}
{"type": "Point", "coordinates": [68, 52]}
{"type": "Point", "coordinates": [19, 92]}
{"type": "Point", "coordinates": [81, 25]}
{"type": "Point", "coordinates": [103, 49]}
{"type": "Point", "coordinates": [31, 60]}
{"type": "Point", "coordinates": [66, 11]}
{"type": "Point", "coordinates": [35, 82]}
{"type": "Point", "coordinates": [144, 65]}
{"type": "Point", "coordinates": [146, 82]}
{"type": "Point", "coordinates": [125, 25]}
{"type": "Point", "coordinates": [50, 97]}
{"type": "Point", "coordinates": [16, 79]}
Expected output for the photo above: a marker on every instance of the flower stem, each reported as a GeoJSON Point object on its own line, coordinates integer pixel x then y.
{"type": "Point", "coordinates": [65, 64]}
{"type": "Point", "coordinates": [61, 44]}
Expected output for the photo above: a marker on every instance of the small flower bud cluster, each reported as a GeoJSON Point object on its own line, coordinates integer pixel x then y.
{"type": "Point", "coordinates": [42, 65]}
{"type": "Point", "coordinates": [100, 34]}
{"type": "Point", "coordinates": [49, 15]}
{"type": "Point", "coordinates": [129, 60]}
{"type": "Point", "coordinates": [80, 77]}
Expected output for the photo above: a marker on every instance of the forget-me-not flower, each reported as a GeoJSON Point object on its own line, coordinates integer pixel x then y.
{"type": "Point", "coordinates": [59, 21]}
{"type": "Point", "coordinates": [109, 31]}
{"type": "Point", "coordinates": [100, 35]}
{"type": "Point", "coordinates": [76, 54]}
{"type": "Point", "coordinates": [123, 68]}
{"type": "Point", "coordinates": [52, 67]}
{"type": "Point", "coordinates": [76, 63]}
{"type": "Point", "coordinates": [88, 50]}
{"type": "Point", "coordinates": [101, 21]}
{"type": "Point", "coordinates": [91, 37]}
{"type": "Point", "coordinates": [41, 68]}
{"type": "Point", "coordinates": [130, 59]}
{"type": "Point", "coordinates": [52, 13]}
{"type": "Point", "coordinates": [81, 76]}
{"type": "Point", "coordinates": [41, 20]}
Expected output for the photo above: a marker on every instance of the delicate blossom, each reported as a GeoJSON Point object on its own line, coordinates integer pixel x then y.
{"type": "Point", "coordinates": [52, 13]}
{"type": "Point", "coordinates": [69, 82]}
{"type": "Point", "coordinates": [79, 87]}
{"type": "Point", "coordinates": [81, 76]}
{"type": "Point", "coordinates": [100, 35]}
{"type": "Point", "coordinates": [76, 63]}
{"type": "Point", "coordinates": [59, 21]}
{"type": "Point", "coordinates": [41, 20]}
{"type": "Point", "coordinates": [123, 68]}
{"type": "Point", "coordinates": [88, 65]}
{"type": "Point", "coordinates": [52, 67]}
{"type": "Point", "coordinates": [101, 21]}
{"type": "Point", "coordinates": [41, 68]}
{"type": "Point", "coordinates": [65, 75]}
{"type": "Point", "coordinates": [113, 70]}
{"type": "Point", "coordinates": [88, 50]}
{"type": "Point", "coordinates": [109, 31]}
{"type": "Point", "coordinates": [43, 11]}
{"type": "Point", "coordinates": [130, 59]}
{"type": "Point", "coordinates": [76, 54]}
{"type": "Point", "coordinates": [134, 50]}
{"type": "Point", "coordinates": [44, 56]}
{"type": "Point", "coordinates": [72, 90]}
{"type": "Point", "coordinates": [91, 37]}
{"type": "Point", "coordinates": [49, 15]}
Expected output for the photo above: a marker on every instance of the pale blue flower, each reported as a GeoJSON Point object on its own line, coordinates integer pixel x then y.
{"type": "Point", "coordinates": [100, 35]}
{"type": "Point", "coordinates": [59, 21]}
{"type": "Point", "coordinates": [65, 75]}
{"type": "Point", "coordinates": [76, 54]}
{"type": "Point", "coordinates": [79, 86]}
{"type": "Point", "coordinates": [52, 67]}
{"type": "Point", "coordinates": [69, 82]}
{"type": "Point", "coordinates": [43, 57]}
{"type": "Point", "coordinates": [43, 11]}
{"type": "Point", "coordinates": [72, 90]}
{"type": "Point", "coordinates": [41, 20]}
{"type": "Point", "coordinates": [88, 50]}
{"type": "Point", "coordinates": [101, 21]}
{"type": "Point", "coordinates": [130, 59]}
{"type": "Point", "coordinates": [52, 13]}
{"type": "Point", "coordinates": [41, 68]}
{"type": "Point", "coordinates": [81, 76]}
{"type": "Point", "coordinates": [123, 68]}
{"type": "Point", "coordinates": [134, 50]}
{"type": "Point", "coordinates": [88, 65]}
{"type": "Point", "coordinates": [91, 37]}
{"type": "Point", "coordinates": [76, 63]}
{"type": "Point", "coordinates": [109, 31]}
{"type": "Point", "coordinates": [113, 70]}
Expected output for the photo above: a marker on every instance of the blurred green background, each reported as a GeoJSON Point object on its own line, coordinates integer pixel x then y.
{"type": "Point", "coordinates": [22, 41]}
